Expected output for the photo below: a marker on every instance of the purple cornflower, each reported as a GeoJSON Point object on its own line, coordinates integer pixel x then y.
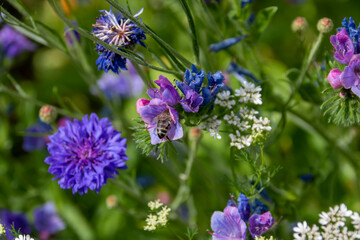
{"type": "Point", "coordinates": [13, 43]}
{"type": "Point", "coordinates": [33, 142]}
{"type": "Point", "coordinates": [46, 220]}
{"type": "Point", "coordinates": [159, 109]}
{"type": "Point", "coordinates": [228, 225]}
{"type": "Point", "coordinates": [259, 224]}
{"type": "Point", "coordinates": [118, 31]}
{"type": "Point", "coordinates": [124, 85]}
{"type": "Point", "coordinates": [19, 220]}
{"type": "Point", "coordinates": [226, 43]}
{"type": "Point", "coordinates": [343, 45]}
{"type": "Point", "coordinates": [84, 154]}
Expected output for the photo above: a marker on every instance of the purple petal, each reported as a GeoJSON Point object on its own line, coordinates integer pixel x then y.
{"type": "Point", "coordinates": [334, 79]}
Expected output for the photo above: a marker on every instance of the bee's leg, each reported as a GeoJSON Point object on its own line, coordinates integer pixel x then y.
{"type": "Point", "coordinates": [168, 138]}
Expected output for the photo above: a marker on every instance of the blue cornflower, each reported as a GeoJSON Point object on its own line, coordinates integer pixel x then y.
{"type": "Point", "coordinates": [226, 43]}
{"type": "Point", "coordinates": [84, 154]}
{"type": "Point", "coordinates": [117, 31]}
{"type": "Point", "coordinates": [46, 220]}
{"type": "Point", "coordinates": [19, 220]}
{"type": "Point", "coordinates": [352, 31]}
{"type": "Point", "coordinates": [33, 142]}
{"type": "Point", "coordinates": [13, 43]}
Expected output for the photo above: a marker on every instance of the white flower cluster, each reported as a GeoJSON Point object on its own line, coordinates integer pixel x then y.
{"type": "Point", "coordinates": [212, 125]}
{"type": "Point", "coordinates": [333, 226]}
{"type": "Point", "coordinates": [250, 128]}
{"type": "Point", "coordinates": [2, 230]}
{"type": "Point", "coordinates": [249, 93]}
{"type": "Point", "coordinates": [24, 237]}
{"type": "Point", "coordinates": [159, 219]}
{"type": "Point", "coordinates": [225, 99]}
{"type": "Point", "coordinates": [263, 238]}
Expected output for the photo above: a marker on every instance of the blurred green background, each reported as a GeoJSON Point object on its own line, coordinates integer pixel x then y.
{"type": "Point", "coordinates": [51, 76]}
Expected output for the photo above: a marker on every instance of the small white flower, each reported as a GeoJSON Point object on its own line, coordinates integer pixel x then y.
{"type": "Point", "coordinates": [24, 237]}
{"type": "Point", "coordinates": [249, 93]}
{"type": "Point", "coordinates": [2, 229]}
{"type": "Point", "coordinates": [356, 220]}
{"type": "Point", "coordinates": [153, 205]}
{"type": "Point", "coordinates": [302, 228]}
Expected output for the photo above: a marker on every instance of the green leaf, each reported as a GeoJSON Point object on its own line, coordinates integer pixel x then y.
{"type": "Point", "coordinates": [186, 8]}
{"type": "Point", "coordinates": [263, 18]}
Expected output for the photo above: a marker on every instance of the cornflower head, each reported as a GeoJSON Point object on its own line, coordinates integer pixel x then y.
{"type": "Point", "coordinates": [84, 154]}
{"type": "Point", "coordinates": [13, 43]}
{"type": "Point", "coordinates": [158, 217]}
{"type": "Point", "coordinates": [334, 224]}
{"type": "Point", "coordinates": [120, 32]}
{"type": "Point", "coordinates": [46, 220]}
{"type": "Point", "coordinates": [121, 86]}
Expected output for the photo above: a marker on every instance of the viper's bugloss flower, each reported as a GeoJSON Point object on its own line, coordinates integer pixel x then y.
{"type": "Point", "coordinates": [259, 224]}
{"type": "Point", "coordinates": [194, 80]}
{"type": "Point", "coordinates": [117, 31]}
{"type": "Point", "coordinates": [350, 76]}
{"type": "Point", "coordinates": [13, 43]}
{"type": "Point", "coordinates": [123, 85]}
{"type": "Point", "coordinates": [243, 207]}
{"type": "Point", "coordinates": [161, 108]}
{"type": "Point", "coordinates": [47, 221]}
{"type": "Point", "coordinates": [258, 207]}
{"type": "Point", "coordinates": [343, 46]}
{"type": "Point", "coordinates": [36, 137]}
{"type": "Point", "coordinates": [20, 221]}
{"type": "Point", "coordinates": [149, 111]}
{"type": "Point", "coordinates": [226, 43]}
{"type": "Point", "coordinates": [334, 78]}
{"type": "Point", "coordinates": [84, 154]}
{"type": "Point", "coordinates": [192, 100]}
{"type": "Point", "coordinates": [228, 225]}
{"type": "Point", "coordinates": [215, 82]}
{"type": "Point", "coordinates": [352, 31]}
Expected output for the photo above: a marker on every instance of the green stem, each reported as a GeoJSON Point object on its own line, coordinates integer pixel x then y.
{"type": "Point", "coordinates": [232, 163]}
{"type": "Point", "coordinates": [183, 193]}
{"type": "Point", "coordinates": [305, 67]}
{"type": "Point", "coordinates": [260, 171]}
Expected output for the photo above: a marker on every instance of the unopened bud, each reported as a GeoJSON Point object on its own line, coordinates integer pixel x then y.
{"type": "Point", "coordinates": [342, 93]}
{"type": "Point", "coordinates": [111, 202]}
{"type": "Point", "coordinates": [47, 114]}
{"type": "Point", "coordinates": [299, 25]}
{"type": "Point", "coordinates": [325, 25]}
{"type": "Point", "coordinates": [195, 134]}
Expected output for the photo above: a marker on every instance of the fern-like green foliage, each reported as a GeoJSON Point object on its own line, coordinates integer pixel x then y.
{"type": "Point", "coordinates": [341, 107]}
{"type": "Point", "coordinates": [143, 141]}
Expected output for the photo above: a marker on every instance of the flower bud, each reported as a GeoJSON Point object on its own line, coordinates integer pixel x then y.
{"type": "Point", "coordinates": [111, 201]}
{"type": "Point", "coordinates": [195, 134]}
{"type": "Point", "coordinates": [47, 114]}
{"type": "Point", "coordinates": [334, 79]}
{"type": "Point", "coordinates": [299, 25]}
{"type": "Point", "coordinates": [325, 25]}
